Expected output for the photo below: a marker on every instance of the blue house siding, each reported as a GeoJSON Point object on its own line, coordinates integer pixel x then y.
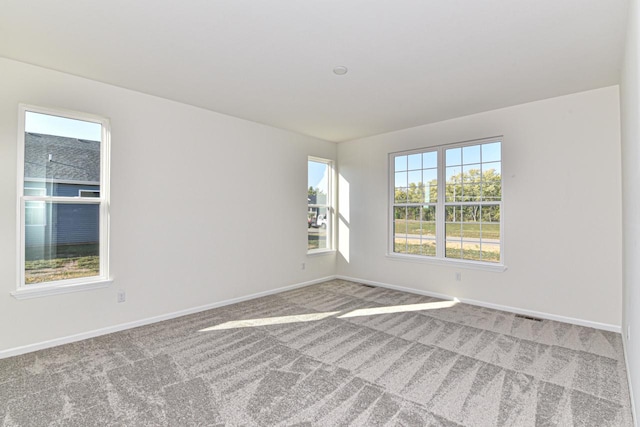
{"type": "Point", "coordinates": [71, 190]}
{"type": "Point", "coordinates": [66, 224]}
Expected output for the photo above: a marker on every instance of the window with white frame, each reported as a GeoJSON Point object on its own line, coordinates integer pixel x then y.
{"type": "Point", "coordinates": [319, 204]}
{"type": "Point", "coordinates": [446, 202]}
{"type": "Point", "coordinates": [63, 198]}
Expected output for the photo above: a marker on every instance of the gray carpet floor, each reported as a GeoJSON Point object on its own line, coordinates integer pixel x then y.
{"type": "Point", "coordinates": [337, 353]}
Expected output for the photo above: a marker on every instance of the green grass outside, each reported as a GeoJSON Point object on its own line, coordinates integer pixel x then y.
{"type": "Point", "coordinates": [50, 263]}
{"type": "Point", "coordinates": [457, 229]}
{"type": "Point", "coordinates": [48, 270]}
{"type": "Point", "coordinates": [429, 249]}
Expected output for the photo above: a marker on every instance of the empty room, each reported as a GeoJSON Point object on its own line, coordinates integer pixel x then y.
{"type": "Point", "coordinates": [470, 175]}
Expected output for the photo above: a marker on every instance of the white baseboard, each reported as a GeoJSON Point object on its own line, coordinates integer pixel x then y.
{"type": "Point", "coordinates": [123, 326]}
{"type": "Point", "coordinates": [531, 313]}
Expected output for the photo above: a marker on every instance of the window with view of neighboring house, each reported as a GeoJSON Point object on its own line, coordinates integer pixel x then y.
{"type": "Point", "coordinates": [446, 202]}
{"type": "Point", "coordinates": [319, 204]}
{"type": "Point", "coordinates": [63, 202]}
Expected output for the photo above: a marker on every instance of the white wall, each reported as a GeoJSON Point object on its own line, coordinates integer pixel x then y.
{"type": "Point", "coordinates": [562, 214]}
{"type": "Point", "coordinates": [204, 207]}
{"type": "Point", "coordinates": [630, 96]}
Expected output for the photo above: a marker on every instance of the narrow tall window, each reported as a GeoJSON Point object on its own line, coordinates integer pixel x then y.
{"type": "Point", "coordinates": [319, 205]}
{"type": "Point", "coordinates": [447, 202]}
{"type": "Point", "coordinates": [63, 197]}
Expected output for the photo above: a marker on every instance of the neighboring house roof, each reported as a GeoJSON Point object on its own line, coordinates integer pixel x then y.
{"type": "Point", "coordinates": [60, 158]}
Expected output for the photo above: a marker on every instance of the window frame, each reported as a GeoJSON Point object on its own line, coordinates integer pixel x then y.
{"type": "Point", "coordinates": [330, 206]}
{"type": "Point", "coordinates": [24, 290]}
{"type": "Point", "coordinates": [441, 204]}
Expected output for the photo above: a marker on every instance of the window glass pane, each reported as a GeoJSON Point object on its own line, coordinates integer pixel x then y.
{"type": "Point", "coordinates": [428, 222]}
{"type": "Point", "coordinates": [430, 160]}
{"type": "Point", "coordinates": [414, 161]}
{"type": "Point", "coordinates": [491, 152]}
{"type": "Point", "coordinates": [471, 173]}
{"type": "Point", "coordinates": [453, 214]}
{"type": "Point", "coordinates": [490, 232]}
{"type": "Point", "coordinates": [318, 182]}
{"type": "Point", "coordinates": [35, 191]}
{"type": "Point", "coordinates": [471, 251]}
{"type": "Point", "coordinates": [318, 225]}
{"type": "Point", "coordinates": [413, 219]}
{"type": "Point", "coordinates": [471, 154]}
{"type": "Point", "coordinates": [471, 192]}
{"type": "Point", "coordinates": [62, 150]}
{"type": "Point", "coordinates": [400, 163]}
{"type": "Point", "coordinates": [454, 192]}
{"type": "Point", "coordinates": [400, 195]}
{"type": "Point", "coordinates": [430, 180]}
{"type": "Point", "coordinates": [319, 213]}
{"type": "Point", "coordinates": [415, 178]}
{"type": "Point", "coordinates": [66, 246]}
{"type": "Point", "coordinates": [400, 229]}
{"type": "Point", "coordinates": [490, 252]}
{"type": "Point", "coordinates": [471, 213]}
{"type": "Point", "coordinates": [491, 171]}
{"type": "Point", "coordinates": [453, 156]}
{"type": "Point", "coordinates": [34, 213]}
{"type": "Point", "coordinates": [491, 214]}
{"type": "Point", "coordinates": [471, 231]}
{"type": "Point", "coordinates": [401, 179]}
{"type": "Point", "coordinates": [428, 248]}
{"type": "Point", "coordinates": [454, 174]}
{"type": "Point", "coordinates": [453, 249]}
{"type": "Point", "coordinates": [453, 230]}
{"type": "Point", "coordinates": [321, 197]}
{"type": "Point", "coordinates": [415, 191]}
{"type": "Point", "coordinates": [431, 194]}
{"type": "Point", "coordinates": [430, 176]}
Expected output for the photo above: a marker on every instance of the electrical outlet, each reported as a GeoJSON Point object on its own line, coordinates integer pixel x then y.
{"type": "Point", "coordinates": [303, 266]}
{"type": "Point", "coordinates": [458, 276]}
{"type": "Point", "coordinates": [122, 296]}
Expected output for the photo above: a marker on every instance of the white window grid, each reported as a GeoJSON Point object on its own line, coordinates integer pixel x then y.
{"type": "Point", "coordinates": [442, 204]}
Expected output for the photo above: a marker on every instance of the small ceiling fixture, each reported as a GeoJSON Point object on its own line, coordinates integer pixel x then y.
{"type": "Point", "coordinates": [340, 70]}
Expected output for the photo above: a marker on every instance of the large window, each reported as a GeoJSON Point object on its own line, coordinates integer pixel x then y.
{"type": "Point", "coordinates": [319, 205]}
{"type": "Point", "coordinates": [446, 202]}
{"type": "Point", "coordinates": [63, 200]}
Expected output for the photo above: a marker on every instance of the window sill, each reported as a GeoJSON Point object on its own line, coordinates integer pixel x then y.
{"type": "Point", "coordinates": [320, 252]}
{"type": "Point", "coordinates": [471, 265]}
{"type": "Point", "coordinates": [36, 291]}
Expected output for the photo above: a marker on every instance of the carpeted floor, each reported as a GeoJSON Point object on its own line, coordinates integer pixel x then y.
{"type": "Point", "coordinates": [338, 353]}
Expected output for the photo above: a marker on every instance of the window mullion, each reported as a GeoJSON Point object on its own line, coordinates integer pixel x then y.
{"type": "Point", "coordinates": [440, 206]}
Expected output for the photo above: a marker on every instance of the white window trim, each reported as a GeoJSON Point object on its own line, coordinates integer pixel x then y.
{"type": "Point", "coordinates": [440, 259]}
{"type": "Point", "coordinates": [331, 199]}
{"type": "Point", "coordinates": [70, 285]}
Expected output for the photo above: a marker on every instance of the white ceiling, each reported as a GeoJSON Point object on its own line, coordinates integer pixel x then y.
{"type": "Point", "coordinates": [411, 62]}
